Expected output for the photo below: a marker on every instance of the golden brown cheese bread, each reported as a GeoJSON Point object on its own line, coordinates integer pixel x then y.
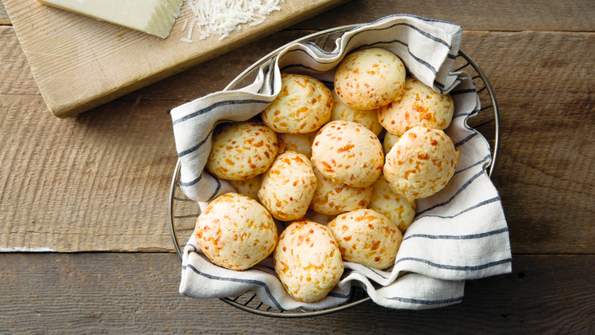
{"type": "Point", "coordinates": [348, 153]}
{"type": "Point", "coordinates": [323, 219]}
{"type": "Point", "coordinates": [367, 118]}
{"type": "Point", "coordinates": [369, 79]}
{"type": "Point", "coordinates": [308, 261]}
{"type": "Point", "coordinates": [303, 105]}
{"type": "Point", "coordinates": [248, 187]}
{"type": "Point", "coordinates": [367, 237]}
{"type": "Point", "coordinates": [288, 186]}
{"type": "Point", "coordinates": [395, 207]}
{"type": "Point", "coordinates": [389, 141]}
{"type": "Point", "coordinates": [301, 143]}
{"type": "Point", "coordinates": [421, 163]}
{"type": "Point", "coordinates": [419, 106]}
{"type": "Point", "coordinates": [236, 232]}
{"type": "Point", "coordinates": [332, 199]}
{"type": "Point", "coordinates": [241, 150]}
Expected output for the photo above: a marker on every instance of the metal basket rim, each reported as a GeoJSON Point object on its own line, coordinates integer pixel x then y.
{"type": "Point", "coordinates": [259, 63]}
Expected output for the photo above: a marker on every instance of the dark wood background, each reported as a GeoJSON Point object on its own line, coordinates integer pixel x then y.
{"type": "Point", "coordinates": [94, 189]}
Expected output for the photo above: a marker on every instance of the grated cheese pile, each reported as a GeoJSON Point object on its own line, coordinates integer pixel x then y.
{"type": "Point", "coordinates": [222, 17]}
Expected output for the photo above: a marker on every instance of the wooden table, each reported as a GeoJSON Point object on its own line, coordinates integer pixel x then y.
{"type": "Point", "coordinates": [83, 203]}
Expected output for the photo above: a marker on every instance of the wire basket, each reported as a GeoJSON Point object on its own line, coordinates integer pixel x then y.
{"type": "Point", "coordinates": [183, 212]}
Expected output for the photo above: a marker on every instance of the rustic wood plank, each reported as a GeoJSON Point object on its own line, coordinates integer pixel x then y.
{"type": "Point", "coordinates": [4, 20]}
{"type": "Point", "coordinates": [138, 293]}
{"type": "Point", "coordinates": [91, 183]}
{"type": "Point", "coordinates": [546, 182]}
{"type": "Point", "coordinates": [545, 169]}
{"type": "Point", "coordinates": [14, 69]}
{"type": "Point", "coordinates": [503, 15]}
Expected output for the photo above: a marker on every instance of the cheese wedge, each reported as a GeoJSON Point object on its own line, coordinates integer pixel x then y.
{"type": "Point", "coordinates": [155, 17]}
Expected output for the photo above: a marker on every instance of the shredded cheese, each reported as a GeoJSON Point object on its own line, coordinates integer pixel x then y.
{"type": "Point", "coordinates": [190, 29]}
{"type": "Point", "coordinates": [222, 17]}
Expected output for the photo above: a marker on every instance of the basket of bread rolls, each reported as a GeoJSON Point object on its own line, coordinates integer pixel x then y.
{"type": "Point", "coordinates": [322, 181]}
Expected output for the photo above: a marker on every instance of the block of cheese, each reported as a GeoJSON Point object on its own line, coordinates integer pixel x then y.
{"type": "Point", "coordinates": [155, 17]}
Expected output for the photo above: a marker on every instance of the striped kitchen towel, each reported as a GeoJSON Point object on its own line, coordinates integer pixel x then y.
{"type": "Point", "coordinates": [459, 233]}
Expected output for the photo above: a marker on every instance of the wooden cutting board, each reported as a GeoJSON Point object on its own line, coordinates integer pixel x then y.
{"type": "Point", "coordinates": [80, 63]}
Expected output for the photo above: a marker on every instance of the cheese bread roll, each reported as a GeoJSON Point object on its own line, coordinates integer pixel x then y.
{"type": "Point", "coordinates": [301, 143]}
{"type": "Point", "coordinates": [369, 79]}
{"type": "Point", "coordinates": [367, 237]}
{"type": "Point", "coordinates": [395, 207]}
{"type": "Point", "coordinates": [236, 232]}
{"type": "Point", "coordinates": [419, 106]}
{"type": "Point", "coordinates": [389, 142]}
{"type": "Point", "coordinates": [421, 163]}
{"type": "Point", "coordinates": [332, 199]}
{"type": "Point", "coordinates": [303, 105]}
{"type": "Point", "coordinates": [366, 118]}
{"type": "Point", "coordinates": [248, 187]}
{"type": "Point", "coordinates": [348, 153]}
{"type": "Point", "coordinates": [288, 186]}
{"type": "Point", "coordinates": [241, 150]}
{"type": "Point", "coordinates": [323, 219]}
{"type": "Point", "coordinates": [308, 261]}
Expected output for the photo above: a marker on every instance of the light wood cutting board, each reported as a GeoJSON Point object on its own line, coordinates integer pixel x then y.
{"type": "Point", "coordinates": [80, 63]}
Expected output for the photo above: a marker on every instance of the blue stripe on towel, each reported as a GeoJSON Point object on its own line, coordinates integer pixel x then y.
{"type": "Point", "coordinates": [217, 105]}
{"type": "Point", "coordinates": [465, 140]}
{"type": "Point", "coordinates": [237, 280]}
{"type": "Point", "coordinates": [458, 237]}
{"type": "Point", "coordinates": [482, 161]}
{"type": "Point", "coordinates": [427, 302]}
{"type": "Point", "coordinates": [461, 189]}
{"type": "Point", "coordinates": [455, 267]}
{"type": "Point", "coordinates": [410, 15]}
{"type": "Point", "coordinates": [423, 33]}
{"type": "Point", "coordinates": [216, 189]}
{"type": "Point", "coordinates": [196, 147]}
{"type": "Point", "coordinates": [471, 90]}
{"type": "Point", "coordinates": [339, 295]}
{"type": "Point", "coordinates": [191, 183]}
{"type": "Point", "coordinates": [480, 204]}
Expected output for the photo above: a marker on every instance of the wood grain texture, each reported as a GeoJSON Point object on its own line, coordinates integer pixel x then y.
{"type": "Point", "coordinates": [71, 185]}
{"type": "Point", "coordinates": [97, 183]}
{"type": "Point", "coordinates": [107, 172]}
{"type": "Point", "coordinates": [80, 63]}
{"type": "Point", "coordinates": [4, 20]}
{"type": "Point", "coordinates": [14, 69]}
{"type": "Point", "coordinates": [138, 294]}
{"type": "Point", "coordinates": [544, 83]}
{"type": "Point", "coordinates": [499, 15]}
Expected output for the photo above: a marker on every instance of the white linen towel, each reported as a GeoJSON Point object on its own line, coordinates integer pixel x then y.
{"type": "Point", "coordinates": [459, 233]}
